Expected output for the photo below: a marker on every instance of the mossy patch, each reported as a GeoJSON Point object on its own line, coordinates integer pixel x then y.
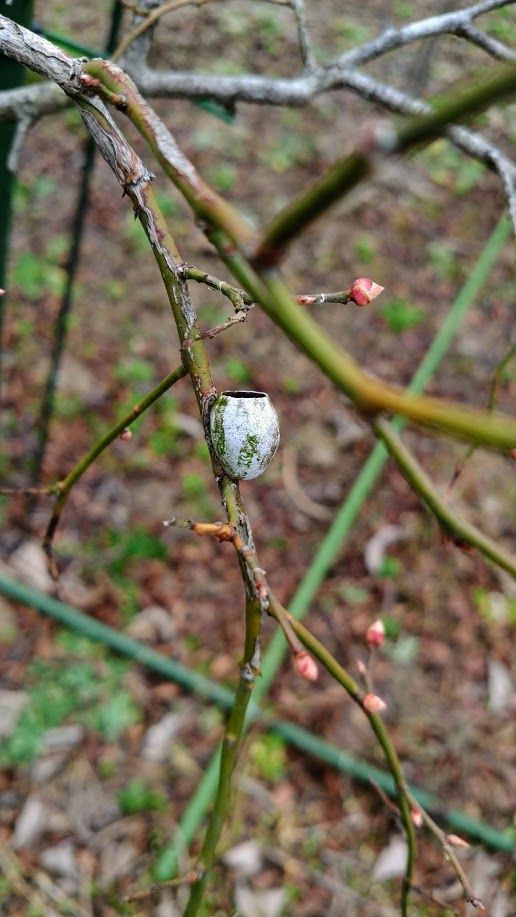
{"type": "Point", "coordinates": [248, 451]}
{"type": "Point", "coordinates": [218, 434]}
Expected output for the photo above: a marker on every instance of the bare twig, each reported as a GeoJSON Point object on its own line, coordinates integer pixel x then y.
{"type": "Point", "coordinates": [442, 24]}
{"type": "Point", "coordinates": [242, 301]}
{"type": "Point", "coordinates": [449, 854]}
{"type": "Point", "coordinates": [493, 47]}
{"type": "Point", "coordinates": [238, 298]}
{"type": "Point", "coordinates": [157, 887]}
{"type": "Point", "coordinates": [340, 73]}
{"type": "Point", "coordinates": [303, 35]}
{"type": "Point", "coordinates": [62, 488]}
{"type": "Point", "coordinates": [223, 531]}
{"type": "Point", "coordinates": [153, 16]}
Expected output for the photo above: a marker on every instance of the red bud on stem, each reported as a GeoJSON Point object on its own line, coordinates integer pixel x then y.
{"type": "Point", "coordinates": [306, 666]}
{"type": "Point", "coordinates": [373, 704]}
{"type": "Point", "coordinates": [363, 291]}
{"type": "Point", "coordinates": [375, 634]}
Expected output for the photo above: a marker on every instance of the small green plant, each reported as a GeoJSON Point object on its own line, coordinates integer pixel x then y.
{"type": "Point", "coordinates": [495, 607]}
{"type": "Point", "coordinates": [26, 192]}
{"type": "Point", "coordinates": [390, 567]}
{"type": "Point", "coordinates": [195, 489]}
{"type": "Point", "coordinates": [392, 627]}
{"type": "Point", "coordinates": [223, 176]}
{"type": "Point", "coordinates": [351, 33]}
{"type": "Point", "coordinates": [401, 316]}
{"type": "Point", "coordinates": [268, 756]}
{"type": "Point", "coordinates": [287, 150]}
{"type": "Point", "coordinates": [90, 691]}
{"type": "Point", "coordinates": [35, 276]}
{"type": "Point", "coordinates": [501, 25]}
{"type": "Point", "coordinates": [134, 235]}
{"type": "Point", "coordinates": [133, 544]}
{"type": "Point", "coordinates": [139, 796]}
{"type": "Point", "coordinates": [135, 371]}
{"type": "Point", "coordinates": [270, 32]}
{"type": "Point", "coordinates": [291, 385]}
{"type": "Point", "coordinates": [114, 289]}
{"type": "Point", "coordinates": [237, 369]}
{"type": "Point", "coordinates": [67, 406]}
{"type": "Point", "coordinates": [443, 260]}
{"type": "Point", "coordinates": [365, 249]}
{"type": "Point", "coordinates": [202, 452]}
{"type": "Point", "coordinates": [354, 594]}
{"type": "Point", "coordinates": [403, 651]}
{"type": "Point", "coordinates": [449, 168]}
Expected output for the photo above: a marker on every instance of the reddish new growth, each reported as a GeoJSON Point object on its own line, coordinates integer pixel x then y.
{"type": "Point", "coordinates": [416, 816]}
{"type": "Point", "coordinates": [373, 704]}
{"type": "Point", "coordinates": [126, 435]}
{"type": "Point", "coordinates": [375, 634]}
{"type": "Point", "coordinates": [306, 666]}
{"type": "Point", "coordinates": [455, 841]}
{"type": "Point", "coordinates": [363, 291]}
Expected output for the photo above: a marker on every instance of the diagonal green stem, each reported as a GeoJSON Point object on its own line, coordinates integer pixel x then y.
{"type": "Point", "coordinates": [63, 488]}
{"type": "Point", "coordinates": [462, 530]}
{"type": "Point", "coordinates": [377, 725]}
{"type": "Point", "coordinates": [136, 183]}
{"type": "Point", "coordinates": [346, 173]}
{"type": "Point", "coordinates": [367, 393]}
{"type": "Point", "coordinates": [268, 288]}
{"type": "Point", "coordinates": [230, 748]}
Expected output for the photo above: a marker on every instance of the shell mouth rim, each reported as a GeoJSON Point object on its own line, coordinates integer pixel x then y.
{"type": "Point", "coordinates": [244, 394]}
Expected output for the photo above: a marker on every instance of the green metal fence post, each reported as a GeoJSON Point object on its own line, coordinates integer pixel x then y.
{"type": "Point", "coordinates": [12, 74]}
{"type": "Point", "coordinates": [60, 330]}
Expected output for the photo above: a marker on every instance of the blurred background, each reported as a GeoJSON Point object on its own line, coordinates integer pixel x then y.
{"type": "Point", "coordinates": [99, 756]}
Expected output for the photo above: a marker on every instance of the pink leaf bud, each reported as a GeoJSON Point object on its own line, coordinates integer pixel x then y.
{"type": "Point", "coordinates": [362, 668]}
{"type": "Point", "coordinates": [373, 704]}
{"type": "Point", "coordinates": [375, 634]}
{"type": "Point", "coordinates": [306, 666]}
{"type": "Point", "coordinates": [126, 435]}
{"type": "Point", "coordinates": [455, 841]}
{"type": "Point", "coordinates": [363, 291]}
{"type": "Point", "coordinates": [2, 292]}
{"type": "Point", "coordinates": [416, 816]}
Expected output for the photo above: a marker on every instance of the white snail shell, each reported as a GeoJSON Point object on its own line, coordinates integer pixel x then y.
{"type": "Point", "coordinates": [244, 432]}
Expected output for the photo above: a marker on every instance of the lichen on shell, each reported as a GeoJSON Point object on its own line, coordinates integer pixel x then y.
{"type": "Point", "coordinates": [245, 433]}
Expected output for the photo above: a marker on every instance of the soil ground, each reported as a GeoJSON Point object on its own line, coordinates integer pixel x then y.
{"type": "Point", "coordinates": [87, 801]}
